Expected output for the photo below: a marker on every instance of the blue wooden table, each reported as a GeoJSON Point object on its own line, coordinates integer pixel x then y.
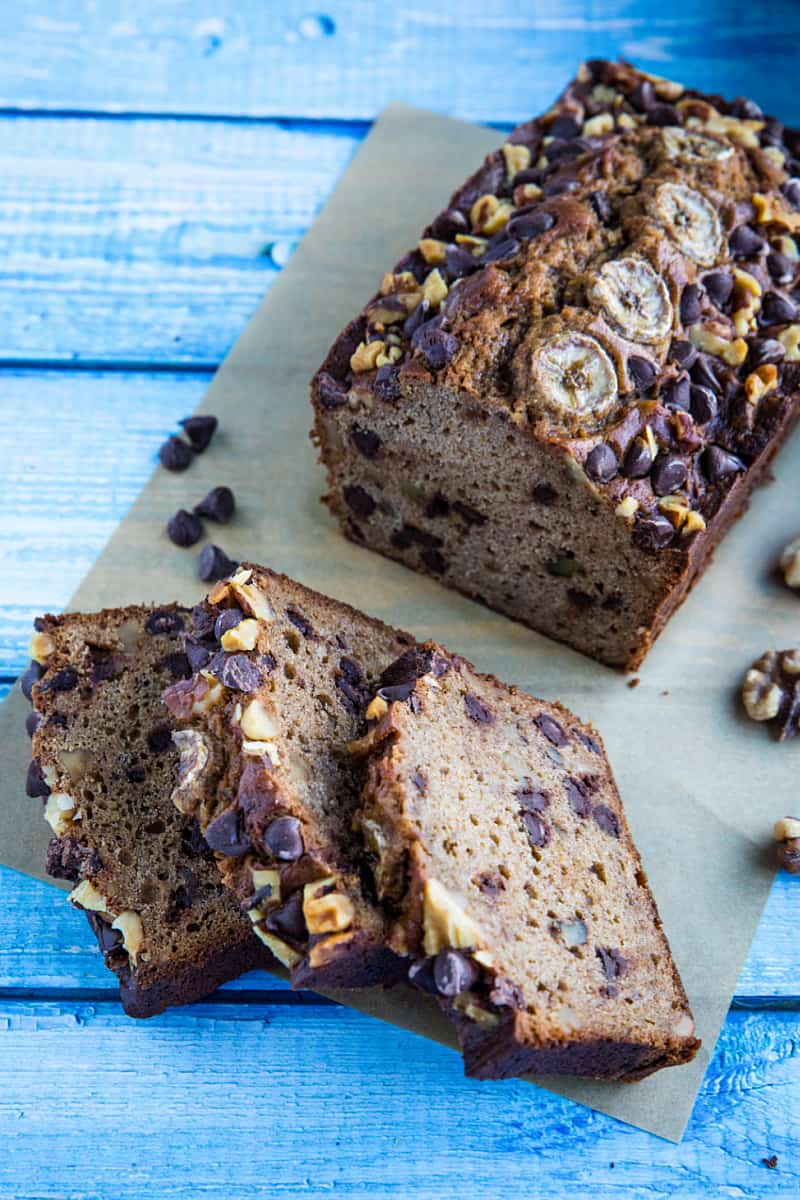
{"type": "Point", "coordinates": [158, 163]}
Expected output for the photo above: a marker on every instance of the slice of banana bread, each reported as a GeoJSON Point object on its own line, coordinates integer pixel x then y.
{"type": "Point", "coordinates": [105, 765]}
{"type": "Point", "coordinates": [502, 853]}
{"type": "Point", "coordinates": [282, 676]}
{"type": "Point", "coordinates": [561, 399]}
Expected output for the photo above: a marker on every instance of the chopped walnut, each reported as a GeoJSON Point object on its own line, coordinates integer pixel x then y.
{"type": "Point", "coordinates": [787, 835]}
{"type": "Point", "coordinates": [790, 564]}
{"type": "Point", "coordinates": [771, 691]}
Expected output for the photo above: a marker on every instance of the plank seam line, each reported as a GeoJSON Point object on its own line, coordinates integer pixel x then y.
{"type": "Point", "coordinates": [232, 999]}
{"type": "Point", "coordinates": [101, 365]}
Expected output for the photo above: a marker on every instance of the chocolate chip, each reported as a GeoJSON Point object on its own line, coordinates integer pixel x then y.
{"type": "Point", "coordinates": [240, 674]}
{"type": "Point", "coordinates": [203, 619]}
{"type": "Point", "coordinates": [745, 110]}
{"type": "Point", "coordinates": [719, 288]}
{"type": "Point", "coordinates": [457, 264]}
{"type": "Point", "coordinates": [530, 225]}
{"type": "Point", "coordinates": [359, 501]}
{"type": "Point", "coordinates": [160, 739]}
{"type": "Point", "coordinates": [108, 940]}
{"type": "Point", "coordinates": [545, 494]}
{"type": "Point", "coordinates": [420, 975]}
{"type": "Point", "coordinates": [601, 463]}
{"type": "Point", "coordinates": [683, 353]}
{"type": "Point", "coordinates": [163, 620]}
{"type": "Point", "coordinates": [691, 306]}
{"type": "Point", "coordinates": [643, 96]}
{"type": "Point", "coordinates": [663, 114]}
{"type": "Point", "coordinates": [300, 622]}
{"type": "Point", "coordinates": [470, 514]}
{"type": "Point", "coordinates": [31, 675]}
{"type": "Point", "coordinates": [365, 441]}
{"type": "Point", "coordinates": [642, 372]}
{"type": "Point", "coordinates": [776, 309]}
{"type": "Point", "coordinates": [791, 190]}
{"type": "Point", "coordinates": [578, 800]}
{"type": "Point", "coordinates": [35, 784]}
{"type": "Point", "coordinates": [491, 883]}
{"type": "Point", "coordinates": [136, 773]}
{"type": "Point", "coordinates": [703, 372]}
{"type": "Point", "coordinates": [564, 126]}
{"type": "Point", "coordinates": [435, 345]}
{"type": "Point", "coordinates": [477, 711]}
{"type": "Point", "coordinates": [177, 664]}
{"type": "Point", "coordinates": [283, 838]}
{"type": "Point", "coordinates": [419, 781]}
{"type": "Point", "coordinates": [200, 430]}
{"type": "Point", "coordinates": [589, 742]}
{"type": "Point", "coordinates": [551, 729]}
{"type": "Point", "coordinates": [719, 463]}
{"type": "Point", "coordinates": [32, 723]}
{"type": "Point", "coordinates": [765, 350]}
{"type": "Point", "coordinates": [288, 921]}
{"type": "Point", "coordinates": [433, 559]}
{"type": "Point", "coordinates": [638, 460]}
{"type": "Point", "coordinates": [703, 404]}
{"type": "Point", "coordinates": [184, 528]}
{"type": "Point", "coordinates": [537, 829]}
{"type": "Point", "coordinates": [500, 249]}
{"type": "Point", "coordinates": [213, 563]}
{"type": "Point", "coordinates": [331, 394]}
{"type": "Point", "coordinates": [437, 506]}
{"type": "Point", "coordinates": [744, 242]}
{"type": "Point", "coordinates": [385, 384]}
{"type": "Point", "coordinates": [229, 618]}
{"type": "Point", "coordinates": [65, 680]}
{"type": "Point", "coordinates": [613, 963]}
{"type": "Point", "coordinates": [219, 505]}
{"type": "Point", "coordinates": [607, 819]}
{"type": "Point", "coordinates": [454, 973]}
{"type": "Point", "coordinates": [780, 267]}
{"type": "Point", "coordinates": [677, 394]}
{"type": "Point", "coordinates": [668, 474]}
{"type": "Point", "coordinates": [226, 834]}
{"type": "Point", "coordinates": [448, 224]}
{"type": "Point", "coordinates": [653, 532]}
{"type": "Point", "coordinates": [396, 692]}
{"type": "Point", "coordinates": [175, 454]}
{"type": "Point", "coordinates": [602, 207]}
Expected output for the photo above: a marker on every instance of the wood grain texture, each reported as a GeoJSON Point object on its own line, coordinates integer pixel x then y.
{"type": "Point", "coordinates": [236, 1089]}
{"type": "Point", "coordinates": [349, 57]}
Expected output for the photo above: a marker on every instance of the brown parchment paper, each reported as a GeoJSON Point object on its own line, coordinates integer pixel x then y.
{"type": "Point", "coordinates": [701, 785]}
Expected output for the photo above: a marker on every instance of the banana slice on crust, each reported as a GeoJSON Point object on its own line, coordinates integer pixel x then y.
{"type": "Point", "coordinates": [685, 146]}
{"type": "Point", "coordinates": [689, 220]}
{"type": "Point", "coordinates": [633, 298]}
{"type": "Point", "coordinates": [573, 383]}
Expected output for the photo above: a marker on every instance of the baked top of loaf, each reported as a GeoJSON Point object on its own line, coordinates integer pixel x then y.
{"type": "Point", "coordinates": [621, 279]}
{"type": "Point", "coordinates": [105, 766]}
{"type": "Point", "coordinates": [282, 677]}
{"type": "Point", "coordinates": [501, 849]}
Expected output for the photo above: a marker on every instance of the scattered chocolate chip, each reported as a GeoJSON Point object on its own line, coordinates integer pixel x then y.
{"type": "Point", "coordinates": [551, 729]}
{"type": "Point", "coordinates": [691, 307]}
{"type": "Point", "coordinates": [477, 711]}
{"type": "Point", "coordinates": [300, 622]}
{"type": "Point", "coordinates": [744, 242]}
{"type": "Point", "coordinates": [283, 838]}
{"type": "Point", "coordinates": [359, 501]}
{"type": "Point", "coordinates": [331, 394]}
{"type": "Point", "coordinates": [226, 834]}
{"type": "Point", "coordinates": [219, 505]}
{"type": "Point", "coordinates": [578, 800]}
{"type": "Point", "coordinates": [365, 441]}
{"type": "Point", "coordinates": [719, 463]}
{"type": "Point", "coordinates": [175, 454]}
{"type": "Point", "coordinates": [663, 114]}
{"type": "Point", "coordinates": [607, 819]}
{"type": "Point", "coordinates": [213, 563]}
{"type": "Point", "coordinates": [160, 739]}
{"type": "Point", "coordinates": [703, 405]}
{"type": "Point", "coordinates": [614, 964]}
{"type": "Point", "coordinates": [448, 224]}
{"type": "Point", "coordinates": [668, 474]}
{"type": "Point", "coordinates": [240, 674]}
{"type": "Point", "coordinates": [35, 784]}
{"type": "Point", "coordinates": [653, 532]}
{"type": "Point", "coordinates": [601, 463]}
{"type": "Point", "coordinates": [676, 394]}
{"type": "Point", "coordinates": [184, 528]}
{"type": "Point", "coordinates": [31, 675]}
{"type": "Point", "coordinates": [435, 345]}
{"type": "Point", "coordinates": [454, 973]}
{"type": "Point", "coordinates": [288, 921]}
{"type": "Point", "coordinates": [229, 618]}
{"type": "Point", "coordinates": [32, 723]}
{"type": "Point", "coordinates": [385, 384]}
{"type": "Point", "coordinates": [528, 225]}
{"type": "Point", "coordinates": [780, 267]}
{"type": "Point", "coordinates": [776, 309]}
{"type": "Point", "coordinates": [637, 461]}
{"type": "Point", "coordinates": [200, 430]}
{"type": "Point", "coordinates": [683, 353]}
{"type": "Point", "coordinates": [642, 372]}
{"type": "Point", "coordinates": [791, 190]}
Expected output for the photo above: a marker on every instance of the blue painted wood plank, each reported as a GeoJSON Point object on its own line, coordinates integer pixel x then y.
{"type": "Point", "coordinates": [269, 1101]}
{"type": "Point", "coordinates": [484, 62]}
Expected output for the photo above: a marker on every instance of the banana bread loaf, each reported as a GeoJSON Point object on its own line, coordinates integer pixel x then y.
{"type": "Point", "coordinates": [501, 851]}
{"type": "Point", "coordinates": [282, 676]}
{"type": "Point", "coordinates": [104, 764]}
{"type": "Point", "coordinates": [560, 400]}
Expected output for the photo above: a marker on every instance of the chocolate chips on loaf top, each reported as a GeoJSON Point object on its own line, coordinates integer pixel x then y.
{"type": "Point", "coordinates": [500, 846]}
{"type": "Point", "coordinates": [622, 278]}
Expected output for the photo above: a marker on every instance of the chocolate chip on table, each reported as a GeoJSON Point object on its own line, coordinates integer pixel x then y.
{"type": "Point", "coordinates": [35, 784]}
{"type": "Point", "coordinates": [31, 675]}
{"type": "Point", "coordinates": [283, 838]}
{"type": "Point", "coordinates": [642, 372]}
{"type": "Point", "coordinates": [219, 505]}
{"type": "Point", "coordinates": [366, 441]}
{"type": "Point", "coordinates": [200, 430]}
{"type": "Point", "coordinates": [744, 242]}
{"type": "Point", "coordinates": [719, 288]}
{"type": "Point", "coordinates": [184, 528]}
{"type": "Point", "coordinates": [668, 474]}
{"type": "Point", "coordinates": [239, 673]}
{"type": "Point", "coordinates": [638, 460]}
{"type": "Point", "coordinates": [477, 711]}
{"type": "Point", "coordinates": [229, 618]}
{"type": "Point", "coordinates": [551, 729]}
{"type": "Point", "coordinates": [653, 532]}
{"type": "Point", "coordinates": [601, 463]}
{"type": "Point", "coordinates": [454, 973]}
{"type": "Point", "coordinates": [359, 501]}
{"type": "Point", "coordinates": [226, 834]}
{"type": "Point", "coordinates": [719, 463]}
{"type": "Point", "coordinates": [691, 306]}
{"type": "Point", "coordinates": [175, 454]}
{"type": "Point", "coordinates": [32, 722]}
{"type": "Point", "coordinates": [781, 268]}
{"type": "Point", "coordinates": [213, 563]}
{"type": "Point", "coordinates": [677, 394]}
{"type": "Point", "coordinates": [703, 406]}
{"type": "Point", "coordinates": [776, 309]}
{"type": "Point", "coordinates": [787, 835]}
